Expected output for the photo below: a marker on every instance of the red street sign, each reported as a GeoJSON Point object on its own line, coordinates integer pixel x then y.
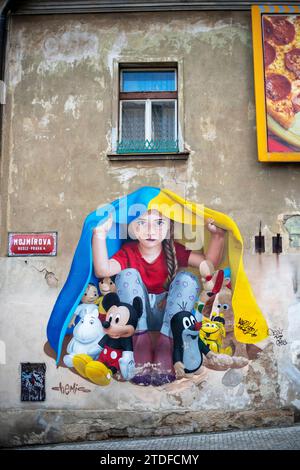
{"type": "Point", "coordinates": [32, 244]}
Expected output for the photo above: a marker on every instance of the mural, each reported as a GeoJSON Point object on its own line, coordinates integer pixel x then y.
{"type": "Point", "coordinates": [156, 284]}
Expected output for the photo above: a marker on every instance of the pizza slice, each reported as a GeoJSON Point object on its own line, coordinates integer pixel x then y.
{"type": "Point", "coordinates": [282, 68]}
{"type": "Point", "coordinates": [279, 99]}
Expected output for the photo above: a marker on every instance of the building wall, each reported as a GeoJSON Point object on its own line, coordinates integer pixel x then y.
{"type": "Point", "coordinates": [57, 133]}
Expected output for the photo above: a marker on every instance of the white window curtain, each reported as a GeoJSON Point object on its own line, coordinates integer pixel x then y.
{"type": "Point", "coordinates": [163, 121]}
{"type": "Point", "coordinates": [133, 121]}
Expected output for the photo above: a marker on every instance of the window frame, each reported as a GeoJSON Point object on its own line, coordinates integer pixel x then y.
{"type": "Point", "coordinates": [124, 61]}
{"type": "Point", "coordinates": [148, 97]}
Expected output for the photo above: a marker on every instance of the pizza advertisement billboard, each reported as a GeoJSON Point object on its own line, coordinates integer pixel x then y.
{"type": "Point", "coordinates": [276, 53]}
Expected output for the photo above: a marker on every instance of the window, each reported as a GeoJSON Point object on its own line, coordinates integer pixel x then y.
{"type": "Point", "coordinates": [148, 111]}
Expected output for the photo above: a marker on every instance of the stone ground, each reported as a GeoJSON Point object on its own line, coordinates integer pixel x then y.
{"type": "Point", "coordinates": [280, 438]}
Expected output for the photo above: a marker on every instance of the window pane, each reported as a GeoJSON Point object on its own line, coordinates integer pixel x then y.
{"type": "Point", "coordinates": [163, 120]}
{"type": "Point", "coordinates": [138, 81]}
{"type": "Point", "coordinates": [133, 121]}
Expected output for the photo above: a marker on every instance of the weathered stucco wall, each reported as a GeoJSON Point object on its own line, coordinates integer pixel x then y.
{"type": "Point", "coordinates": [57, 132]}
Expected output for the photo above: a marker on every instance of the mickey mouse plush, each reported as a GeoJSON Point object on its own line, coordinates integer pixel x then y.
{"type": "Point", "coordinates": [116, 345]}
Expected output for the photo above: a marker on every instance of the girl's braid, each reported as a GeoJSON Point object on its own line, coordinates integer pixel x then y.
{"type": "Point", "coordinates": [170, 254]}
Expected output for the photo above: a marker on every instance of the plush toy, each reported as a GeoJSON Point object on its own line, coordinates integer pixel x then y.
{"type": "Point", "coordinates": [188, 347]}
{"type": "Point", "coordinates": [212, 333]}
{"type": "Point", "coordinates": [223, 306]}
{"type": "Point", "coordinates": [106, 285]}
{"type": "Point", "coordinates": [116, 345]}
{"type": "Point", "coordinates": [211, 279]}
{"type": "Point", "coordinates": [87, 304]}
{"type": "Point", "coordinates": [212, 282]}
{"type": "Point", "coordinates": [86, 336]}
{"type": "Point", "coordinates": [91, 294]}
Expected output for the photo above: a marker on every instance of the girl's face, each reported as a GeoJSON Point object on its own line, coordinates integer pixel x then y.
{"type": "Point", "coordinates": [150, 229]}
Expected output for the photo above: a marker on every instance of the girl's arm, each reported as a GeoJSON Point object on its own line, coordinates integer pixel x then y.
{"type": "Point", "coordinates": [103, 266]}
{"type": "Point", "coordinates": [215, 250]}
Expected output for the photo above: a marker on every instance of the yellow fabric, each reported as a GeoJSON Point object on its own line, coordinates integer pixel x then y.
{"type": "Point", "coordinates": [100, 306]}
{"type": "Point", "coordinates": [250, 325]}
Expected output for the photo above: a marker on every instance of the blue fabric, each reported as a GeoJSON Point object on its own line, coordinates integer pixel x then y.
{"type": "Point", "coordinates": [227, 272]}
{"type": "Point", "coordinates": [124, 210]}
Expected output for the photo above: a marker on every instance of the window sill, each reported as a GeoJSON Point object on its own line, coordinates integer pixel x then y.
{"type": "Point", "coordinates": [148, 156]}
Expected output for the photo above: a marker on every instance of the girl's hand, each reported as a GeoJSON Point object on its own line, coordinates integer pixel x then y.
{"type": "Point", "coordinates": [102, 230]}
{"type": "Point", "coordinates": [212, 228]}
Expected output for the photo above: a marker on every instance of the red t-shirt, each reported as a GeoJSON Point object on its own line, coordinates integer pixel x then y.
{"type": "Point", "coordinates": [153, 274]}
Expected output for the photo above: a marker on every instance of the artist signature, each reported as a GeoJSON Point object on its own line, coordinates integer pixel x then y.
{"type": "Point", "coordinates": [277, 334]}
{"type": "Point", "coordinates": [68, 388]}
{"type": "Point", "coordinates": [247, 327]}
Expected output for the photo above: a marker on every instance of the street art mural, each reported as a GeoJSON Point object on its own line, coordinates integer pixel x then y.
{"type": "Point", "coordinates": [156, 283]}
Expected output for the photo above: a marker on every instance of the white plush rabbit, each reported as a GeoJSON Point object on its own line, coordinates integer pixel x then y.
{"type": "Point", "coordinates": [86, 336]}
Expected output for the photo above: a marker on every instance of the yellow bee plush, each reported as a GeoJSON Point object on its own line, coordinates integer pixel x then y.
{"type": "Point", "coordinates": [212, 333]}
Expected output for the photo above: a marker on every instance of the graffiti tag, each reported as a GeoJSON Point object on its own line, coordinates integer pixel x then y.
{"type": "Point", "coordinates": [277, 334]}
{"type": "Point", "coordinates": [68, 388]}
{"type": "Point", "coordinates": [247, 327]}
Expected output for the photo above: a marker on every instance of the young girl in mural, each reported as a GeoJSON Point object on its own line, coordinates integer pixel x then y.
{"type": "Point", "coordinates": [147, 267]}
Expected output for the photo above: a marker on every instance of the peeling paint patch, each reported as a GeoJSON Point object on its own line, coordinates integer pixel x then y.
{"type": "Point", "coordinates": [291, 203]}
{"type": "Point", "coordinates": [61, 197]}
{"type": "Point", "coordinates": [13, 171]}
{"type": "Point", "coordinates": [217, 201]}
{"type": "Point", "coordinates": [47, 105]}
{"type": "Point", "coordinates": [100, 80]}
{"type": "Point", "coordinates": [70, 213]}
{"type": "Point", "coordinates": [116, 49]}
{"type": "Point", "coordinates": [191, 191]}
{"type": "Point", "coordinates": [28, 125]}
{"type": "Point", "coordinates": [72, 106]}
{"type": "Point", "coordinates": [68, 48]}
{"type": "Point", "coordinates": [251, 111]}
{"type": "Point", "coordinates": [126, 175]}
{"type": "Point", "coordinates": [208, 129]}
{"type": "Point", "coordinates": [202, 26]}
{"type": "Point", "coordinates": [221, 34]}
{"type": "Point", "coordinates": [99, 104]}
{"type": "Point", "coordinates": [44, 121]}
{"type": "Point", "coordinates": [15, 63]}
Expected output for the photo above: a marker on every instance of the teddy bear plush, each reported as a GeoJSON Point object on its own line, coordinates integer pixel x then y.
{"type": "Point", "coordinates": [223, 306]}
{"type": "Point", "coordinates": [116, 345]}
